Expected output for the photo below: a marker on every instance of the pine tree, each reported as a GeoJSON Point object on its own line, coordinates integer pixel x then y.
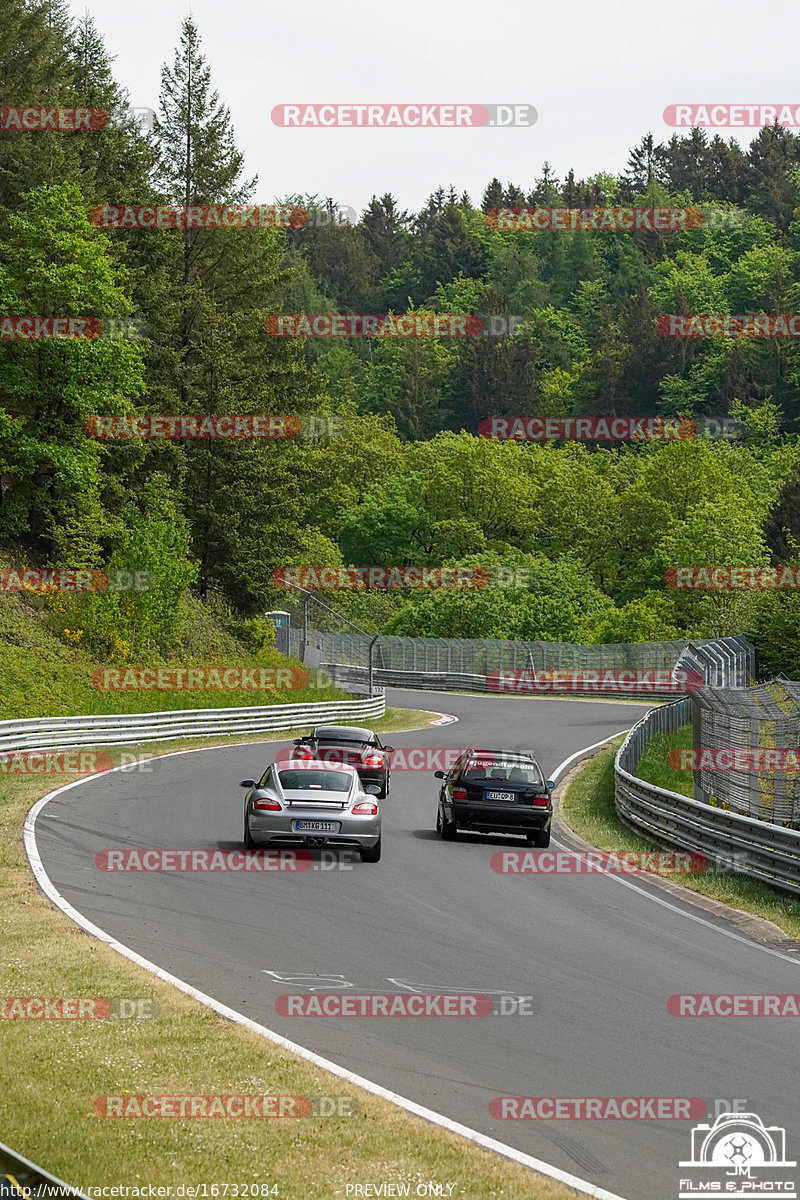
{"type": "Point", "coordinates": [772, 181]}
{"type": "Point", "coordinates": [34, 68]}
{"type": "Point", "coordinates": [198, 160]}
{"type": "Point", "coordinates": [570, 192]}
{"type": "Point", "coordinates": [213, 292]}
{"type": "Point", "coordinates": [546, 189]}
{"type": "Point", "coordinates": [386, 231]}
{"type": "Point", "coordinates": [115, 162]}
{"type": "Point", "coordinates": [493, 196]}
{"type": "Point", "coordinates": [513, 196]}
{"type": "Point", "coordinates": [642, 166]}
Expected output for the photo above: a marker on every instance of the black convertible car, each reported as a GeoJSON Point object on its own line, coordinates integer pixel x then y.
{"type": "Point", "coordinates": [359, 748]}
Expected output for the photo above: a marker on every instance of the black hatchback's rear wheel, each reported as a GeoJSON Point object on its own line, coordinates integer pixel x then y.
{"type": "Point", "coordinates": [445, 829]}
{"type": "Point", "coordinates": [539, 837]}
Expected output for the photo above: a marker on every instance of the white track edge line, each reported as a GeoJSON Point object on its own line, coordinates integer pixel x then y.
{"type": "Point", "coordinates": [650, 893]}
{"type": "Point", "coordinates": [487, 1143]}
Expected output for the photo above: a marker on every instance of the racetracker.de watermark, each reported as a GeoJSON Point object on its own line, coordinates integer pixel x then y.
{"type": "Point", "coordinates": [717, 1004]}
{"type": "Point", "coordinates": [404, 325]}
{"type": "Point", "coordinates": [35, 120]}
{"type": "Point", "coordinates": [72, 581]}
{"type": "Point", "coordinates": [223, 426]}
{"type": "Point", "coordinates": [382, 578]}
{"type": "Point", "coordinates": [613, 220]}
{"type": "Point", "coordinates": [735, 758]}
{"type": "Point", "coordinates": [724, 579]}
{"type": "Point", "coordinates": [404, 758]}
{"type": "Point", "coordinates": [54, 762]}
{"type": "Point", "coordinates": [287, 862]}
{"type": "Point", "coordinates": [204, 1107]}
{"type": "Point", "coordinates": [61, 329]}
{"type": "Point", "coordinates": [144, 117]}
{"type": "Point", "coordinates": [597, 1108]}
{"type": "Point", "coordinates": [45, 329]}
{"type": "Point", "coordinates": [418, 578]}
{"type": "Point", "coordinates": [200, 678]}
{"type": "Point", "coordinates": [602, 862]}
{"type": "Point", "coordinates": [400, 1004]}
{"type": "Point", "coordinates": [198, 216]}
{"type": "Point", "coordinates": [617, 679]}
{"type": "Point", "coordinates": [587, 429]}
{"type": "Point", "coordinates": [727, 116]}
{"type": "Point", "coordinates": [118, 329]}
{"type": "Point", "coordinates": [764, 325]}
{"type": "Point", "coordinates": [403, 116]}
{"type": "Point", "coordinates": [77, 1008]}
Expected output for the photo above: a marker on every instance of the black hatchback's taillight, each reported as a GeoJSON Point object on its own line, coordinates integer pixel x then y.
{"type": "Point", "coordinates": [542, 801]}
{"type": "Point", "coordinates": [459, 793]}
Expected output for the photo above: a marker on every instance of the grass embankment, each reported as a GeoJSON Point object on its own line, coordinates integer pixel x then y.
{"type": "Point", "coordinates": [42, 675]}
{"type": "Point", "coordinates": [56, 1069]}
{"type": "Point", "coordinates": [588, 808]}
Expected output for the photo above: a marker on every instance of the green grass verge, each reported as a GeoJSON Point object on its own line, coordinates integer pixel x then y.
{"type": "Point", "coordinates": [588, 808]}
{"type": "Point", "coordinates": [653, 766]}
{"type": "Point", "coordinates": [56, 1069]}
{"type": "Point", "coordinates": [42, 675]}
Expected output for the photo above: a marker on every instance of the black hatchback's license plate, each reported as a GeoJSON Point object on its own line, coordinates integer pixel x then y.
{"type": "Point", "coordinates": [500, 796]}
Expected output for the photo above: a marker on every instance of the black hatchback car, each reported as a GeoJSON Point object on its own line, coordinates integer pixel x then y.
{"type": "Point", "coordinates": [359, 748]}
{"type": "Point", "coordinates": [495, 791]}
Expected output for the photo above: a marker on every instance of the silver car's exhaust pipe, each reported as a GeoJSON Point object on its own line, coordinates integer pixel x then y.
{"type": "Point", "coordinates": [315, 841]}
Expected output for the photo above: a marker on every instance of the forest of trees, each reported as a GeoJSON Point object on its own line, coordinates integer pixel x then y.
{"type": "Point", "coordinates": [411, 481]}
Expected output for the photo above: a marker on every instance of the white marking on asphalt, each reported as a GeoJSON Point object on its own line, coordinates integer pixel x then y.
{"type": "Point", "coordinates": [427, 1114]}
{"type": "Point", "coordinates": [650, 895]}
{"type": "Point", "coordinates": [473, 1135]}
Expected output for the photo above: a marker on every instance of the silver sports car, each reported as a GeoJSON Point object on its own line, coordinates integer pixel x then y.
{"type": "Point", "coordinates": [310, 804]}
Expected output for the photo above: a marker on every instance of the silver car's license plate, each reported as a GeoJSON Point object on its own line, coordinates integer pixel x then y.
{"type": "Point", "coordinates": [500, 796]}
{"type": "Point", "coordinates": [316, 826]}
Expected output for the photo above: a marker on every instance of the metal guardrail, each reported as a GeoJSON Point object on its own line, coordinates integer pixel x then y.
{"type": "Point", "coordinates": [346, 675]}
{"type": "Point", "coordinates": [57, 733]}
{"type": "Point", "coordinates": [748, 846]}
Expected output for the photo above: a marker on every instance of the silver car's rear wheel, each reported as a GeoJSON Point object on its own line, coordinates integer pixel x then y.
{"type": "Point", "coordinates": [371, 854]}
{"type": "Point", "coordinates": [247, 837]}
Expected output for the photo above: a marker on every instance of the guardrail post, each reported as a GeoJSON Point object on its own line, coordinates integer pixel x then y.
{"type": "Point", "coordinates": [371, 649]}
{"type": "Point", "coordinates": [305, 628]}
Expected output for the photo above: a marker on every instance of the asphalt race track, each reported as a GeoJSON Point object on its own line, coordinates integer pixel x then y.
{"type": "Point", "coordinates": [598, 956]}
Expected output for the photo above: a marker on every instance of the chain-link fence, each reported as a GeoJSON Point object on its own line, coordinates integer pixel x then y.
{"type": "Point", "coordinates": [731, 840]}
{"type": "Point", "coordinates": [754, 721]}
{"type": "Point", "coordinates": [723, 660]}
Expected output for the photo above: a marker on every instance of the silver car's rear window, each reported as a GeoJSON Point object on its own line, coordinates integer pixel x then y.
{"type": "Point", "coordinates": [314, 781]}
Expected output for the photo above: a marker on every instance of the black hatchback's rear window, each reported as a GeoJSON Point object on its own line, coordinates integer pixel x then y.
{"type": "Point", "coordinates": [496, 771]}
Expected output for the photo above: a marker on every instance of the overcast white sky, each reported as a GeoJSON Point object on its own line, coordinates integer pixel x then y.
{"type": "Point", "coordinates": [599, 73]}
